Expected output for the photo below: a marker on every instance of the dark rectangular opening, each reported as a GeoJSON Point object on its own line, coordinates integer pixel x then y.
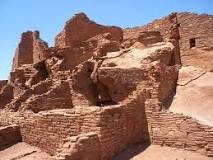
{"type": "Point", "coordinates": [192, 42]}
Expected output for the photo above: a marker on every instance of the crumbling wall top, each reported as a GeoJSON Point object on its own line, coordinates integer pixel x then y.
{"type": "Point", "coordinates": [80, 28]}
{"type": "Point", "coordinates": [31, 49]}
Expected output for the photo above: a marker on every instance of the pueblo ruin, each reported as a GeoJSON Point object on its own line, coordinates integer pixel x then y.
{"type": "Point", "coordinates": [102, 89]}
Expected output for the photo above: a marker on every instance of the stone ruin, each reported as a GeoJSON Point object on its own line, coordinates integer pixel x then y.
{"type": "Point", "coordinates": [99, 90]}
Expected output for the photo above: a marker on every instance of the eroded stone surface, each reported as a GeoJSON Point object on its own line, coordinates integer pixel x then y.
{"type": "Point", "coordinates": [81, 28]}
{"type": "Point", "coordinates": [198, 105]}
{"type": "Point", "coordinates": [31, 49]}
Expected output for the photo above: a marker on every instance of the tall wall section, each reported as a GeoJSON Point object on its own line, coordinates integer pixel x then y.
{"type": "Point", "coordinates": [176, 130]}
{"type": "Point", "coordinates": [198, 26]}
{"type": "Point", "coordinates": [31, 49]}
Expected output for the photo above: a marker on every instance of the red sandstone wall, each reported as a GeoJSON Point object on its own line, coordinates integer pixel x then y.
{"type": "Point", "coordinates": [39, 48]}
{"type": "Point", "coordinates": [31, 49]}
{"type": "Point", "coordinates": [24, 50]}
{"type": "Point", "coordinates": [6, 95]}
{"type": "Point", "coordinates": [9, 135]}
{"type": "Point", "coordinates": [2, 83]}
{"type": "Point", "coordinates": [73, 56]}
{"type": "Point", "coordinates": [81, 28]}
{"type": "Point", "coordinates": [117, 127]}
{"type": "Point", "coordinates": [58, 96]}
{"type": "Point", "coordinates": [191, 26]}
{"type": "Point", "coordinates": [85, 146]}
{"type": "Point", "coordinates": [176, 130]}
{"type": "Point", "coordinates": [198, 27]}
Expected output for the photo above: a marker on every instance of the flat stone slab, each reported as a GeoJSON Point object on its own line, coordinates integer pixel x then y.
{"type": "Point", "coordinates": [134, 57]}
{"type": "Point", "coordinates": [188, 74]}
{"type": "Point", "coordinates": [194, 97]}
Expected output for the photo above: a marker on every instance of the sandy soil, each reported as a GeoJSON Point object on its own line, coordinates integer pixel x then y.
{"type": "Point", "coordinates": [23, 151]}
{"type": "Point", "coordinates": [156, 152]}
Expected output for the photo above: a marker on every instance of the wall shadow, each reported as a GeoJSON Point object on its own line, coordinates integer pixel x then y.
{"type": "Point", "coordinates": [131, 152]}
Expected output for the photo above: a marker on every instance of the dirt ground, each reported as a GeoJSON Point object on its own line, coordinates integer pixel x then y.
{"type": "Point", "coordinates": [156, 152]}
{"type": "Point", "coordinates": [23, 151]}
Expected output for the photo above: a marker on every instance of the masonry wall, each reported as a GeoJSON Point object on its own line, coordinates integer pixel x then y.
{"type": "Point", "coordinates": [84, 146]}
{"type": "Point", "coordinates": [6, 95]}
{"type": "Point", "coordinates": [198, 27]}
{"type": "Point", "coordinates": [2, 83]}
{"type": "Point", "coordinates": [191, 26]}
{"type": "Point", "coordinates": [80, 28]}
{"type": "Point", "coordinates": [119, 126]}
{"type": "Point", "coordinates": [176, 130]}
{"type": "Point", "coordinates": [73, 56]}
{"type": "Point", "coordinates": [31, 49]}
{"type": "Point", "coordinates": [56, 97]}
{"type": "Point", "coordinates": [39, 48]}
{"type": "Point", "coordinates": [116, 126]}
{"type": "Point", "coordinates": [9, 135]}
{"type": "Point", "coordinates": [47, 129]}
{"type": "Point", "coordinates": [24, 51]}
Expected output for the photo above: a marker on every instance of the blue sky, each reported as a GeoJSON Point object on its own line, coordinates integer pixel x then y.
{"type": "Point", "coordinates": [49, 16]}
